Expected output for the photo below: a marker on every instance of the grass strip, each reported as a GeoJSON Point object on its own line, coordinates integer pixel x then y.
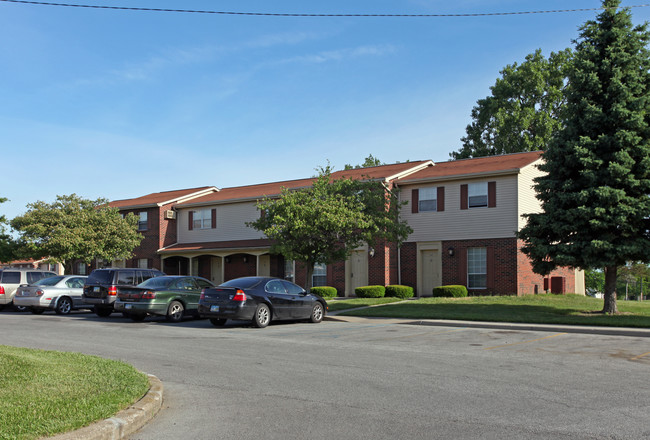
{"type": "Point", "coordinates": [343, 304]}
{"type": "Point", "coordinates": [43, 393]}
{"type": "Point", "coordinates": [536, 309]}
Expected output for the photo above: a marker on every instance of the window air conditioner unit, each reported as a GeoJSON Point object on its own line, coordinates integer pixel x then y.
{"type": "Point", "coordinates": [169, 214]}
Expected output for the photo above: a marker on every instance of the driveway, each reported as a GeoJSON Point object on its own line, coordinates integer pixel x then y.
{"type": "Point", "coordinates": [367, 379]}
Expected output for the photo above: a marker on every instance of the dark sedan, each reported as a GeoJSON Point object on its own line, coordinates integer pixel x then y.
{"type": "Point", "coordinates": [260, 300]}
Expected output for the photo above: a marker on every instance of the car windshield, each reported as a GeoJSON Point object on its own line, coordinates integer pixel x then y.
{"type": "Point", "coordinates": [50, 281]}
{"type": "Point", "coordinates": [242, 283]}
{"type": "Point", "coordinates": [157, 283]}
{"type": "Point", "coordinates": [100, 277]}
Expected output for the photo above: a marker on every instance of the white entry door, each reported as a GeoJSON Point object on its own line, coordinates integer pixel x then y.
{"type": "Point", "coordinates": [430, 275]}
{"type": "Point", "coordinates": [264, 269]}
{"type": "Point", "coordinates": [358, 271]}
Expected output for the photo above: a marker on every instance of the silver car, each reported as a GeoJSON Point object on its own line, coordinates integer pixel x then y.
{"type": "Point", "coordinates": [60, 293]}
{"type": "Point", "coordinates": [12, 278]}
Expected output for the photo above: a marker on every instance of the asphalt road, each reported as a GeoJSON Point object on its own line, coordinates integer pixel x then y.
{"type": "Point", "coordinates": [367, 379]}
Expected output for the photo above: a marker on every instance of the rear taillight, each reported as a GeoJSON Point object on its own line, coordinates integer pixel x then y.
{"type": "Point", "coordinates": [112, 291]}
{"type": "Point", "coordinates": [2, 290]}
{"type": "Point", "coordinates": [239, 295]}
{"type": "Point", "coordinates": [39, 292]}
{"type": "Point", "coordinates": [148, 295]}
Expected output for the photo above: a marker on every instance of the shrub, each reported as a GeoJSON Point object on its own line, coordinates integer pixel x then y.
{"type": "Point", "coordinates": [450, 291]}
{"type": "Point", "coordinates": [370, 292]}
{"type": "Point", "coordinates": [399, 291]}
{"type": "Point", "coordinates": [324, 291]}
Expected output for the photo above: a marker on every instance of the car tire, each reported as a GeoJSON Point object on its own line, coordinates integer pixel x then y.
{"type": "Point", "coordinates": [218, 322]}
{"type": "Point", "coordinates": [102, 312]}
{"type": "Point", "coordinates": [63, 306]}
{"type": "Point", "coordinates": [36, 310]}
{"type": "Point", "coordinates": [262, 316]}
{"type": "Point", "coordinates": [175, 311]}
{"type": "Point", "coordinates": [317, 313]}
{"type": "Point", "coordinates": [20, 308]}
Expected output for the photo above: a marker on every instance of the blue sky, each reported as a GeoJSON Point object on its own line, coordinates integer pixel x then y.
{"type": "Point", "coordinates": [118, 104]}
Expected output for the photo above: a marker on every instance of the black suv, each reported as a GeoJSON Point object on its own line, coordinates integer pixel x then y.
{"type": "Point", "coordinates": [101, 286]}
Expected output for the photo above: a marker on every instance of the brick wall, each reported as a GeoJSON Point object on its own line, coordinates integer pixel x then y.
{"type": "Point", "coordinates": [236, 267]}
{"type": "Point", "coordinates": [149, 245]}
{"type": "Point", "coordinates": [408, 266]}
{"type": "Point", "coordinates": [529, 282]}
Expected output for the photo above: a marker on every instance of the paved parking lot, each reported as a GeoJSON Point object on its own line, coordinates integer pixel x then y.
{"type": "Point", "coordinates": [367, 378]}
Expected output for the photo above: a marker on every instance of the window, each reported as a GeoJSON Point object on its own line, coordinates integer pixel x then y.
{"type": "Point", "coordinates": [126, 277]}
{"type": "Point", "coordinates": [476, 268]}
{"type": "Point", "coordinates": [477, 194]}
{"type": "Point", "coordinates": [202, 219]}
{"type": "Point", "coordinates": [81, 268]}
{"type": "Point", "coordinates": [11, 277]}
{"type": "Point", "coordinates": [143, 263]}
{"type": "Point", "coordinates": [143, 221]}
{"type": "Point", "coordinates": [319, 277]}
{"type": "Point", "coordinates": [428, 199]}
{"type": "Point", "coordinates": [289, 272]}
{"type": "Point", "coordinates": [32, 277]}
{"type": "Point", "coordinates": [275, 286]}
{"type": "Point", "coordinates": [293, 289]}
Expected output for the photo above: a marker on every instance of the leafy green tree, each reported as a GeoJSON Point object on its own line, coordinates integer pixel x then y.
{"type": "Point", "coordinates": [594, 194]}
{"type": "Point", "coordinates": [73, 228]}
{"type": "Point", "coordinates": [326, 222]}
{"type": "Point", "coordinates": [370, 161]}
{"type": "Point", "coordinates": [7, 243]}
{"type": "Point", "coordinates": [523, 111]}
{"type": "Point", "coordinates": [594, 281]}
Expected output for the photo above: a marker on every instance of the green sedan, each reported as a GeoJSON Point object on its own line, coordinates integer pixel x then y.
{"type": "Point", "coordinates": [171, 296]}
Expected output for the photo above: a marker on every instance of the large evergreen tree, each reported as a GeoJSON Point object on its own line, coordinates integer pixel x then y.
{"type": "Point", "coordinates": [594, 196]}
{"type": "Point", "coordinates": [523, 111]}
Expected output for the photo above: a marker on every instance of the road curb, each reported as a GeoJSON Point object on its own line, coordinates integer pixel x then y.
{"type": "Point", "coordinates": [125, 422]}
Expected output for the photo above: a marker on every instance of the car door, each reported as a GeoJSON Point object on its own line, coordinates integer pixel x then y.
{"type": "Point", "coordinates": [301, 302]}
{"type": "Point", "coordinates": [75, 289]}
{"type": "Point", "coordinates": [280, 300]}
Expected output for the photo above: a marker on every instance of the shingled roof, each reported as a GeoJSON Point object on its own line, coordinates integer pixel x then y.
{"type": "Point", "coordinates": [162, 198]}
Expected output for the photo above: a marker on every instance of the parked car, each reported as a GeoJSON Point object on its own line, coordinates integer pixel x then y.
{"type": "Point", "coordinates": [170, 296]}
{"type": "Point", "coordinates": [260, 300]}
{"type": "Point", "coordinates": [61, 293]}
{"type": "Point", "coordinates": [101, 286]}
{"type": "Point", "coordinates": [12, 278]}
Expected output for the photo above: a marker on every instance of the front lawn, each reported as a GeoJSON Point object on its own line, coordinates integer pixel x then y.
{"type": "Point", "coordinates": [47, 392]}
{"type": "Point", "coordinates": [334, 305]}
{"type": "Point", "coordinates": [537, 309]}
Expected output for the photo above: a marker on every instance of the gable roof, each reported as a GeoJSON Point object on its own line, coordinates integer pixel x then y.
{"type": "Point", "coordinates": [162, 198]}
{"type": "Point", "coordinates": [254, 192]}
{"type": "Point", "coordinates": [476, 167]}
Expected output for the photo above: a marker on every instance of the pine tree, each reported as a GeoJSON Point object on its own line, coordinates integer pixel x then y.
{"type": "Point", "coordinates": [594, 196]}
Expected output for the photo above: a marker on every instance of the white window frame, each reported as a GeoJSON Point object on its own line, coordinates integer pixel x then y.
{"type": "Point", "coordinates": [478, 192]}
{"type": "Point", "coordinates": [81, 268]}
{"type": "Point", "coordinates": [477, 268]}
{"type": "Point", "coordinates": [290, 270]}
{"type": "Point", "coordinates": [202, 219]}
{"type": "Point", "coordinates": [428, 195]}
{"type": "Point", "coordinates": [143, 263]}
{"type": "Point", "coordinates": [319, 277]}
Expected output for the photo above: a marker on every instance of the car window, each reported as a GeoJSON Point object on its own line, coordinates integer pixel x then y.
{"type": "Point", "coordinates": [293, 289]}
{"type": "Point", "coordinates": [126, 277]}
{"type": "Point", "coordinates": [75, 283]}
{"type": "Point", "coordinates": [100, 277]}
{"type": "Point", "coordinates": [10, 277]}
{"type": "Point", "coordinates": [32, 277]}
{"type": "Point", "coordinates": [275, 286]}
{"type": "Point", "coordinates": [157, 283]}
{"type": "Point", "coordinates": [242, 283]}
{"type": "Point", "coordinates": [49, 281]}
{"type": "Point", "coordinates": [203, 284]}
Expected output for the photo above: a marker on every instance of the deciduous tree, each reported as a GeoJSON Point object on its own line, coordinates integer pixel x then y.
{"type": "Point", "coordinates": [594, 194]}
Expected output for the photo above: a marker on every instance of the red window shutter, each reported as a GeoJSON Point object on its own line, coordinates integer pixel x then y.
{"type": "Point", "coordinates": [490, 267]}
{"type": "Point", "coordinates": [149, 263]}
{"type": "Point", "coordinates": [441, 199]}
{"type": "Point", "coordinates": [462, 266]}
{"type": "Point", "coordinates": [492, 194]}
{"type": "Point", "coordinates": [463, 196]}
{"type": "Point", "coordinates": [415, 200]}
{"type": "Point", "coordinates": [190, 220]}
{"type": "Point", "coordinates": [213, 214]}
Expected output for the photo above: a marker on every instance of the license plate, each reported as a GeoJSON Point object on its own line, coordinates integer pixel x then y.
{"type": "Point", "coordinates": [96, 289]}
{"type": "Point", "coordinates": [128, 306]}
{"type": "Point", "coordinates": [214, 308]}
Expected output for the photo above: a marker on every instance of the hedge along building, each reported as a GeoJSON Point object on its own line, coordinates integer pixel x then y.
{"type": "Point", "coordinates": [465, 215]}
{"type": "Point", "coordinates": [214, 240]}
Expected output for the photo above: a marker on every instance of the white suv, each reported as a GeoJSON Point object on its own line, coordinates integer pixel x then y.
{"type": "Point", "coordinates": [11, 278]}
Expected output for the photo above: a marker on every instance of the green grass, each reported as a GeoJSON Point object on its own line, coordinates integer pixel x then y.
{"type": "Point", "coordinates": [47, 392]}
{"type": "Point", "coordinates": [537, 309]}
{"type": "Point", "coordinates": [335, 305]}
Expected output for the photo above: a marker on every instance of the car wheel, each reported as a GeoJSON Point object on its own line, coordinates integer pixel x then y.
{"type": "Point", "coordinates": [218, 322]}
{"type": "Point", "coordinates": [102, 312]}
{"type": "Point", "coordinates": [20, 308]}
{"type": "Point", "coordinates": [36, 310]}
{"type": "Point", "coordinates": [175, 311]}
{"type": "Point", "coordinates": [262, 316]}
{"type": "Point", "coordinates": [136, 317]}
{"type": "Point", "coordinates": [63, 306]}
{"type": "Point", "coordinates": [316, 313]}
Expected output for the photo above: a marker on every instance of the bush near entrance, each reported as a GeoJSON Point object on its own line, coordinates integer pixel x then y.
{"type": "Point", "coordinates": [324, 291]}
{"type": "Point", "coordinates": [450, 291]}
{"type": "Point", "coordinates": [398, 291]}
{"type": "Point", "coordinates": [370, 292]}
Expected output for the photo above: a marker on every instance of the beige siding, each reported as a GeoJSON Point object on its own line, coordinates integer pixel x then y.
{"type": "Point", "coordinates": [474, 223]}
{"type": "Point", "coordinates": [231, 224]}
{"type": "Point", "coordinates": [528, 203]}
